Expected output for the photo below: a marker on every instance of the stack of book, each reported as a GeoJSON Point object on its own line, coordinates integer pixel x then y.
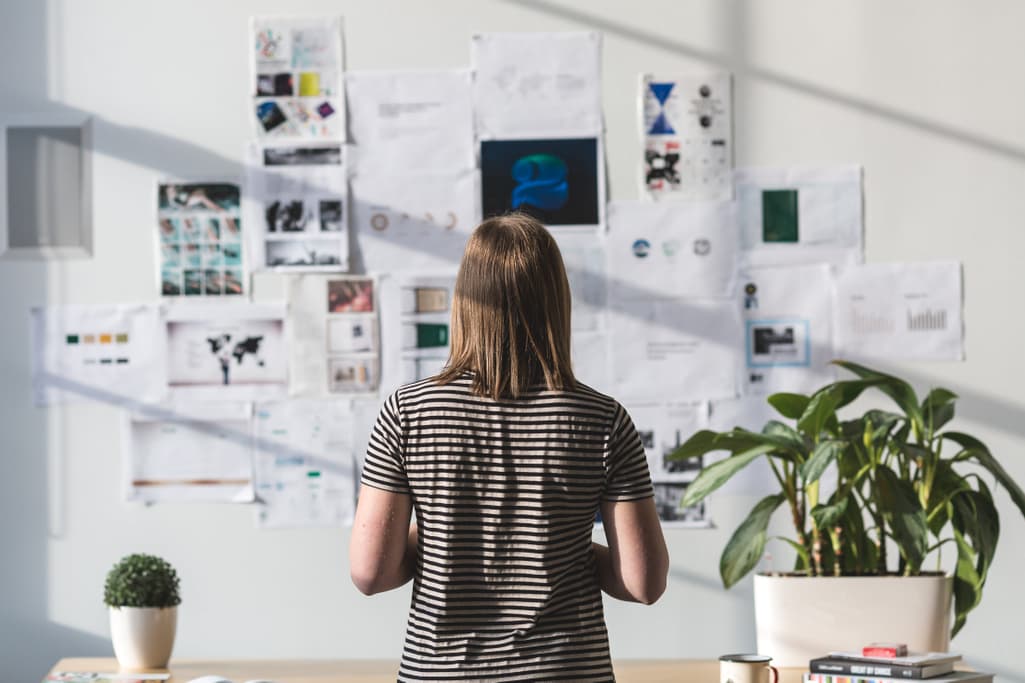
{"type": "Point", "coordinates": [859, 667]}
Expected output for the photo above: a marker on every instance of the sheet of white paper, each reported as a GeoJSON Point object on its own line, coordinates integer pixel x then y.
{"type": "Point", "coordinates": [663, 427]}
{"type": "Point", "coordinates": [413, 222]}
{"type": "Point", "coordinates": [788, 339]}
{"type": "Point", "coordinates": [591, 360]}
{"type": "Point", "coordinates": [416, 311]}
{"type": "Point", "coordinates": [296, 66]}
{"type": "Point", "coordinates": [223, 352]}
{"type": "Point", "coordinates": [586, 266]}
{"type": "Point", "coordinates": [750, 413]}
{"type": "Point", "coordinates": [333, 343]}
{"type": "Point", "coordinates": [108, 353]}
{"type": "Point", "coordinates": [545, 84]}
{"type": "Point", "coordinates": [800, 215]}
{"type": "Point", "coordinates": [687, 129]}
{"type": "Point", "coordinates": [189, 452]}
{"type": "Point", "coordinates": [669, 249]}
{"type": "Point", "coordinates": [411, 121]}
{"type": "Point", "coordinates": [200, 250]}
{"type": "Point", "coordinates": [304, 468]}
{"type": "Point", "coordinates": [295, 207]}
{"type": "Point", "coordinates": [900, 310]}
{"type": "Point", "coordinates": [684, 350]}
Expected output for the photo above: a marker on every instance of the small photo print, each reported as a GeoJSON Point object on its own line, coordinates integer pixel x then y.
{"type": "Point", "coordinates": [331, 215]}
{"type": "Point", "coordinates": [230, 231]}
{"type": "Point", "coordinates": [667, 502]}
{"type": "Point", "coordinates": [351, 334]}
{"type": "Point", "coordinates": [350, 296]}
{"type": "Point", "coordinates": [321, 155]}
{"type": "Point", "coordinates": [325, 109]}
{"type": "Point", "coordinates": [170, 255]}
{"type": "Point", "coordinates": [270, 115]}
{"type": "Point", "coordinates": [169, 230]}
{"type": "Point", "coordinates": [213, 283]}
{"type": "Point", "coordinates": [212, 255]}
{"type": "Point", "coordinates": [192, 230]}
{"type": "Point", "coordinates": [647, 438]}
{"type": "Point", "coordinates": [424, 299]}
{"type": "Point", "coordinates": [193, 282]}
{"type": "Point", "coordinates": [213, 230]}
{"type": "Point", "coordinates": [171, 282]}
{"type": "Point", "coordinates": [202, 196]}
{"type": "Point", "coordinates": [192, 256]}
{"type": "Point", "coordinates": [294, 253]}
{"type": "Point", "coordinates": [315, 47]}
{"type": "Point", "coordinates": [272, 85]}
{"type": "Point", "coordinates": [233, 282]}
{"type": "Point", "coordinates": [424, 335]}
{"type": "Point", "coordinates": [288, 215]}
{"type": "Point", "coordinates": [351, 374]}
{"type": "Point", "coordinates": [680, 466]}
{"type": "Point", "coordinates": [309, 84]}
{"type": "Point", "coordinates": [232, 253]}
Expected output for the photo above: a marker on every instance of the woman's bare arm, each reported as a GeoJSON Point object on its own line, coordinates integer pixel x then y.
{"type": "Point", "coordinates": [635, 564]}
{"type": "Point", "coordinates": [382, 550]}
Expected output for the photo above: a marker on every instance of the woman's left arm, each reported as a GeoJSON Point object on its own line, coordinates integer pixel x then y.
{"type": "Point", "coordinates": [382, 550]}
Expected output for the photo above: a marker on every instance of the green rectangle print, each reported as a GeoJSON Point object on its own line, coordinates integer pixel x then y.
{"type": "Point", "coordinates": [430, 335]}
{"type": "Point", "coordinates": [779, 216]}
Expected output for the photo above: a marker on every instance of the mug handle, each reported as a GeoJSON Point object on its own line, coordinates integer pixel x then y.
{"type": "Point", "coordinates": [775, 673]}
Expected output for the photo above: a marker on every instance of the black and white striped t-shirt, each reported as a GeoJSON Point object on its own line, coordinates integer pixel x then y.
{"type": "Point", "coordinates": [505, 495]}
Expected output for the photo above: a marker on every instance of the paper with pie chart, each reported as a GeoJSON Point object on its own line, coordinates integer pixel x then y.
{"type": "Point", "coordinates": [687, 129]}
{"type": "Point", "coordinates": [671, 249]}
{"type": "Point", "coordinates": [412, 221]}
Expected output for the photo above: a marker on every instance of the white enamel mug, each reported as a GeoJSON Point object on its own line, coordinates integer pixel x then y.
{"type": "Point", "coordinates": [747, 669]}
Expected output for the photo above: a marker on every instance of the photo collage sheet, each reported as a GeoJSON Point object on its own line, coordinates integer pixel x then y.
{"type": "Point", "coordinates": [690, 305]}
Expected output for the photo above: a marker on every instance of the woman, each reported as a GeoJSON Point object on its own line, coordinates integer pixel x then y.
{"type": "Point", "coordinates": [506, 459]}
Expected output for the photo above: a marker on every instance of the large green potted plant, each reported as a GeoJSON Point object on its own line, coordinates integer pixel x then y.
{"type": "Point", "coordinates": [902, 490]}
{"type": "Point", "coordinates": [142, 594]}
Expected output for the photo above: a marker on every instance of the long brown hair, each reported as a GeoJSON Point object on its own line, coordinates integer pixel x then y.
{"type": "Point", "coordinates": [511, 313]}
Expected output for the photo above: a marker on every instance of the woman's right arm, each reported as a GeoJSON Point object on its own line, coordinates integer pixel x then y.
{"type": "Point", "coordinates": [635, 564]}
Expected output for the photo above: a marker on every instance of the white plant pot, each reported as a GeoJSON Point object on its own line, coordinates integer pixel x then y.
{"type": "Point", "coordinates": [798, 618]}
{"type": "Point", "coordinates": [143, 636]}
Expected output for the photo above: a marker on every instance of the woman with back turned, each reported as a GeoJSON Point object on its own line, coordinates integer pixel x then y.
{"type": "Point", "coordinates": [506, 458]}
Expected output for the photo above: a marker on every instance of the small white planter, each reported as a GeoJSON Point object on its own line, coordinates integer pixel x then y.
{"type": "Point", "coordinates": [143, 636]}
{"type": "Point", "coordinates": [798, 618]}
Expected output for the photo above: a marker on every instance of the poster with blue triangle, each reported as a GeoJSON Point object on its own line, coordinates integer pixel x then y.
{"type": "Point", "coordinates": [661, 92]}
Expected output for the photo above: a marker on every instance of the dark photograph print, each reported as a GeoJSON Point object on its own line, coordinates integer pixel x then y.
{"type": "Point", "coordinates": [555, 180]}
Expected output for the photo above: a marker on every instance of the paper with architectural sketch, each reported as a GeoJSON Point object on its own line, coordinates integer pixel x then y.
{"type": "Point", "coordinates": [800, 215]}
{"type": "Point", "coordinates": [788, 339]}
{"type": "Point", "coordinates": [333, 342]}
{"type": "Point", "coordinates": [200, 250]}
{"type": "Point", "coordinates": [413, 222]}
{"type": "Point", "coordinates": [411, 121]}
{"type": "Point", "coordinates": [296, 70]}
{"type": "Point", "coordinates": [189, 452]}
{"type": "Point", "coordinates": [537, 84]}
{"type": "Point", "coordinates": [669, 249]}
{"type": "Point", "coordinates": [107, 353]}
{"type": "Point", "coordinates": [900, 310]}
{"type": "Point", "coordinates": [663, 427]}
{"type": "Point", "coordinates": [303, 466]}
{"type": "Point", "coordinates": [226, 352]}
{"type": "Point", "coordinates": [416, 311]}
{"type": "Point", "coordinates": [688, 350]}
{"type": "Point", "coordinates": [295, 207]}
{"type": "Point", "coordinates": [586, 266]}
{"type": "Point", "coordinates": [687, 129]}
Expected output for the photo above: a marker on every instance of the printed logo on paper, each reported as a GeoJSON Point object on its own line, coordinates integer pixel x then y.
{"type": "Point", "coordinates": [541, 182]}
{"type": "Point", "coordinates": [702, 246]}
{"type": "Point", "coordinates": [641, 248]}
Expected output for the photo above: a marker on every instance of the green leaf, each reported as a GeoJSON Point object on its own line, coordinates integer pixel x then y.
{"type": "Point", "coordinates": [821, 408]}
{"type": "Point", "coordinates": [828, 515]}
{"type": "Point", "coordinates": [790, 406]}
{"type": "Point", "coordinates": [977, 519]}
{"type": "Point", "coordinates": [745, 547]}
{"type": "Point", "coordinates": [803, 559]}
{"type": "Point", "coordinates": [718, 473]}
{"type": "Point", "coordinates": [788, 434]}
{"type": "Point", "coordinates": [897, 389]}
{"type": "Point", "coordinates": [702, 442]}
{"type": "Point", "coordinates": [850, 389]}
{"type": "Point", "coordinates": [904, 515]}
{"type": "Point", "coordinates": [938, 409]}
{"type": "Point", "coordinates": [977, 450]}
{"type": "Point", "coordinates": [824, 454]}
{"type": "Point", "coordinates": [739, 440]}
{"type": "Point", "coordinates": [967, 583]}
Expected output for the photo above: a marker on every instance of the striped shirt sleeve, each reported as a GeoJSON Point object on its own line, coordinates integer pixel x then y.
{"type": "Point", "coordinates": [627, 476]}
{"type": "Point", "coordinates": [385, 467]}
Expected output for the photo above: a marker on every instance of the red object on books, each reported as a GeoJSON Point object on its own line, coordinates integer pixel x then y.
{"type": "Point", "coordinates": [885, 650]}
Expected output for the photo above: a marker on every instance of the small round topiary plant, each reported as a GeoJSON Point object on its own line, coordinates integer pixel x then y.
{"type": "Point", "coordinates": [140, 580]}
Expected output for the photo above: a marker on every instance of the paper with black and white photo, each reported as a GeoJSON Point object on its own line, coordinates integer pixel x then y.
{"type": "Point", "coordinates": [189, 452]}
{"type": "Point", "coordinates": [788, 341]}
{"type": "Point", "coordinates": [409, 122]}
{"type": "Point", "coordinates": [296, 66]}
{"type": "Point", "coordinates": [413, 222]}
{"type": "Point", "coordinates": [226, 352]}
{"type": "Point", "coordinates": [687, 133]}
{"type": "Point", "coordinates": [543, 84]}
{"type": "Point", "coordinates": [303, 465]}
{"type": "Point", "coordinates": [107, 353]}
{"type": "Point", "coordinates": [900, 310]}
{"type": "Point", "coordinates": [296, 207]}
{"type": "Point", "coordinates": [800, 215]}
{"type": "Point", "coordinates": [200, 247]}
{"type": "Point", "coordinates": [670, 249]}
{"type": "Point", "coordinates": [684, 350]}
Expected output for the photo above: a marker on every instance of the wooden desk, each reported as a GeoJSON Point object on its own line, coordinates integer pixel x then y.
{"type": "Point", "coordinates": [383, 670]}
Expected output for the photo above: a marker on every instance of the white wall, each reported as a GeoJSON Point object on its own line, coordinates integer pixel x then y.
{"type": "Point", "coordinates": [926, 94]}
